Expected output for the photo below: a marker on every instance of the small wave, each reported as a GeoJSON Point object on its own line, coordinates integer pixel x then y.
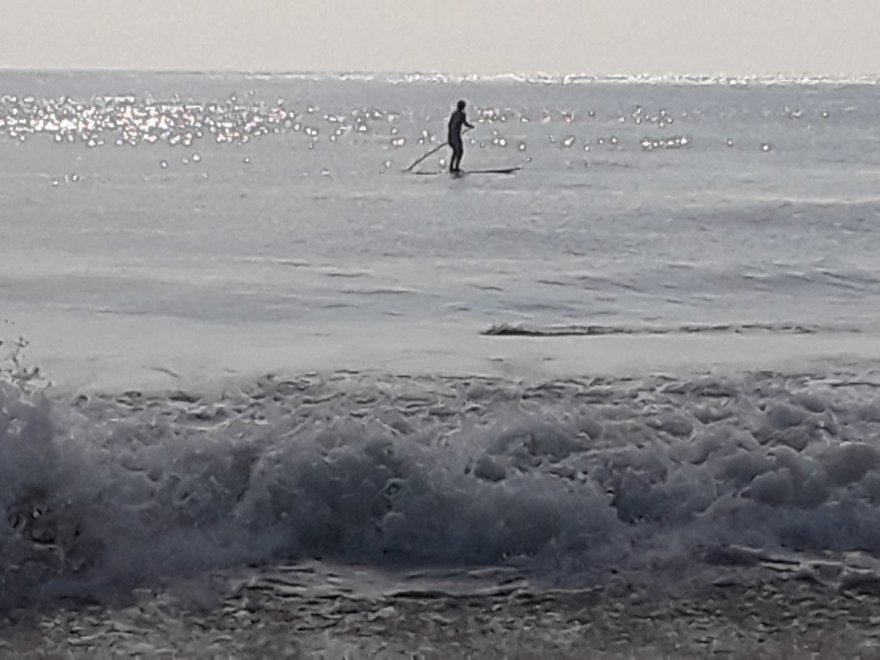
{"type": "Point", "coordinates": [520, 330]}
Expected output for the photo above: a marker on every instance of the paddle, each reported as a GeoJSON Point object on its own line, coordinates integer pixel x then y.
{"type": "Point", "coordinates": [431, 153]}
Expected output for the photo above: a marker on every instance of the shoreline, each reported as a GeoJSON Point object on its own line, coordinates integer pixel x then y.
{"type": "Point", "coordinates": [95, 354]}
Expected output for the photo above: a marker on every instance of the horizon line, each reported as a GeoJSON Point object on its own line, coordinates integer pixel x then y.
{"type": "Point", "coordinates": [446, 76]}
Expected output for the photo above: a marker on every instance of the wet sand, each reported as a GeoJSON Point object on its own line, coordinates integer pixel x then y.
{"type": "Point", "coordinates": [320, 611]}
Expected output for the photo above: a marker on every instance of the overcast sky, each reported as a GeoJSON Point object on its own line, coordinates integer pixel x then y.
{"type": "Point", "coordinates": [840, 37]}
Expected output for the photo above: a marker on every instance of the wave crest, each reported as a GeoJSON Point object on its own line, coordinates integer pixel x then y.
{"type": "Point", "coordinates": [524, 330]}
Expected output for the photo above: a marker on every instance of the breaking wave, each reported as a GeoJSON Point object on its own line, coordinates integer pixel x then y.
{"type": "Point", "coordinates": [575, 477]}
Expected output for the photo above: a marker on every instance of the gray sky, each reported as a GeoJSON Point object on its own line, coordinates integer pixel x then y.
{"type": "Point", "coordinates": [739, 37]}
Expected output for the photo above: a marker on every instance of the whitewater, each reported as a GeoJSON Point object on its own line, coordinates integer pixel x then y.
{"type": "Point", "coordinates": [266, 393]}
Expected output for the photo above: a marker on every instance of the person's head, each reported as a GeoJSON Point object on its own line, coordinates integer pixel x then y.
{"type": "Point", "coordinates": [461, 105]}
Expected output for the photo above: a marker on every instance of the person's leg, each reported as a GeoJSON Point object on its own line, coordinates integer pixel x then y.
{"type": "Point", "coordinates": [456, 155]}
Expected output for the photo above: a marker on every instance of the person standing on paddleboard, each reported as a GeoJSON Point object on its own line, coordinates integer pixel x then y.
{"type": "Point", "coordinates": [456, 121]}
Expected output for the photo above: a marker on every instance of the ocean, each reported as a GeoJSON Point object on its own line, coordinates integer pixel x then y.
{"type": "Point", "coordinates": [266, 390]}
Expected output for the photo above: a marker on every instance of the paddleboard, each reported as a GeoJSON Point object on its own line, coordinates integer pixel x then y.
{"type": "Point", "coordinates": [455, 175]}
{"type": "Point", "coordinates": [500, 170]}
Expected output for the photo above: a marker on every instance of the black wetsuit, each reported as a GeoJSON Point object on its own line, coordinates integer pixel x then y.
{"type": "Point", "coordinates": [456, 121]}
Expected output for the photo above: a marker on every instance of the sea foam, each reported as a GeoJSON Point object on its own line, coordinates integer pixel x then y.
{"type": "Point", "coordinates": [570, 478]}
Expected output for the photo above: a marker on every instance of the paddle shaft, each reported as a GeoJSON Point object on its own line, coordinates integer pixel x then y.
{"type": "Point", "coordinates": [430, 153]}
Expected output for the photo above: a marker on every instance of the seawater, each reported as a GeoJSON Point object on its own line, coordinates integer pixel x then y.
{"type": "Point", "coordinates": [261, 341]}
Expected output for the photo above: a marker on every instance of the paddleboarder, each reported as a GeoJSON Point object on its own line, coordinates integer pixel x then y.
{"type": "Point", "coordinates": [456, 121]}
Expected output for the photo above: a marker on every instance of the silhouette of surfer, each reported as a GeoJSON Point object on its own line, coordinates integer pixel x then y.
{"type": "Point", "coordinates": [456, 121]}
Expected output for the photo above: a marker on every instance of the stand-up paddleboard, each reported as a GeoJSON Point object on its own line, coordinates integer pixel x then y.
{"type": "Point", "coordinates": [455, 175]}
{"type": "Point", "coordinates": [499, 170]}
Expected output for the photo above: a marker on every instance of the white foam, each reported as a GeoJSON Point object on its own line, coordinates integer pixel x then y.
{"type": "Point", "coordinates": [592, 475]}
